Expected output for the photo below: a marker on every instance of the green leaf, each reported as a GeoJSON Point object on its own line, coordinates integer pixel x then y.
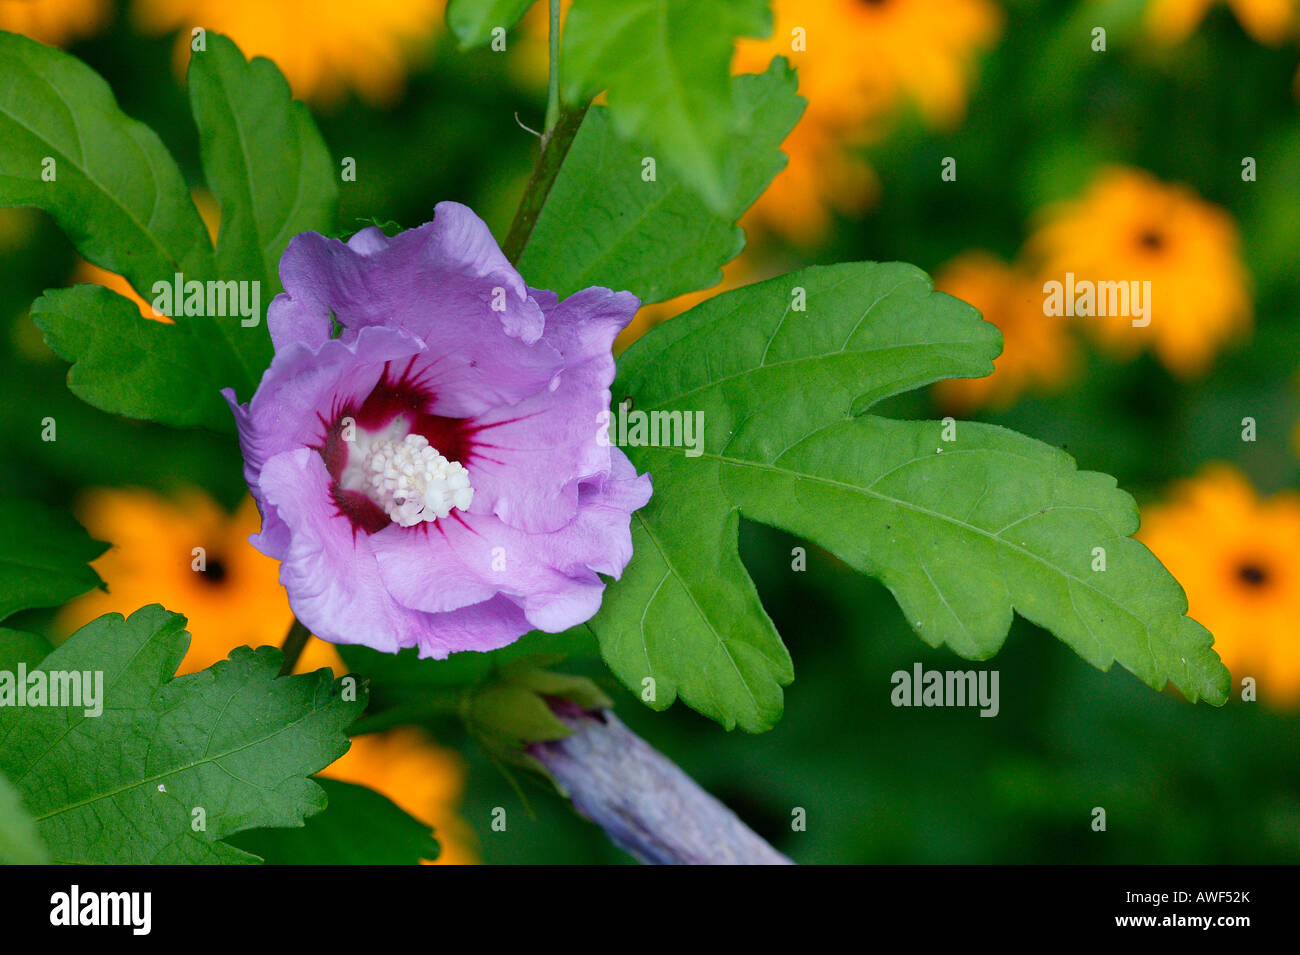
{"type": "Point", "coordinates": [264, 160]}
{"type": "Point", "coordinates": [19, 646]}
{"type": "Point", "coordinates": [513, 709]}
{"type": "Point", "coordinates": [685, 613]}
{"type": "Point", "coordinates": [965, 531]}
{"type": "Point", "coordinates": [561, 686]}
{"type": "Point", "coordinates": [474, 20]}
{"type": "Point", "coordinates": [781, 390]}
{"type": "Point", "coordinates": [358, 827]}
{"type": "Point", "coordinates": [666, 67]}
{"type": "Point", "coordinates": [44, 557]}
{"type": "Point", "coordinates": [19, 843]}
{"type": "Point", "coordinates": [512, 716]}
{"type": "Point", "coordinates": [126, 364]}
{"type": "Point", "coordinates": [116, 191]}
{"type": "Point", "coordinates": [602, 224]}
{"type": "Point", "coordinates": [124, 787]}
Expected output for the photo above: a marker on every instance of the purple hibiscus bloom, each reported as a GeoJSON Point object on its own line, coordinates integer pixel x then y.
{"type": "Point", "coordinates": [432, 476]}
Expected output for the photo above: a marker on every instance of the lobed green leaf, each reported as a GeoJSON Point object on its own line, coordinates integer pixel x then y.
{"type": "Point", "coordinates": [358, 827]}
{"type": "Point", "coordinates": [115, 189]}
{"type": "Point", "coordinates": [964, 533]}
{"type": "Point", "coordinates": [232, 746]}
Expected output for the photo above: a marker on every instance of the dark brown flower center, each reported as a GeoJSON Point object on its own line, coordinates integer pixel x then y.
{"type": "Point", "coordinates": [1152, 240]}
{"type": "Point", "coordinates": [1253, 575]}
{"type": "Point", "coordinates": [214, 572]}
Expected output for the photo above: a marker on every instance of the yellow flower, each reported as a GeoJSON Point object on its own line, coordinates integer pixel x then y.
{"type": "Point", "coordinates": [1268, 21]}
{"type": "Point", "coordinates": [1238, 558]}
{"type": "Point", "coordinates": [323, 47]}
{"type": "Point", "coordinates": [232, 597]}
{"type": "Point", "coordinates": [858, 62]}
{"type": "Point", "coordinates": [425, 780]}
{"type": "Point", "coordinates": [1038, 353]}
{"type": "Point", "coordinates": [1130, 227]}
{"type": "Point", "coordinates": [860, 59]}
{"type": "Point", "coordinates": [824, 176]}
{"type": "Point", "coordinates": [56, 22]}
{"type": "Point", "coordinates": [229, 592]}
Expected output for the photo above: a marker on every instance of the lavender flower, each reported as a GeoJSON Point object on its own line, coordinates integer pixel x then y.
{"type": "Point", "coordinates": [430, 476]}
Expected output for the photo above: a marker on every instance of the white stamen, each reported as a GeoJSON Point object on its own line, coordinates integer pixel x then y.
{"type": "Point", "coordinates": [408, 478]}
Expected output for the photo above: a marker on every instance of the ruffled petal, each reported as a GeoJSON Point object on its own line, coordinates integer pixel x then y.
{"type": "Point", "coordinates": [297, 321]}
{"type": "Point", "coordinates": [485, 626]}
{"type": "Point", "coordinates": [306, 386]}
{"type": "Point", "coordinates": [333, 582]}
{"type": "Point", "coordinates": [601, 537]}
{"type": "Point", "coordinates": [466, 558]}
{"type": "Point", "coordinates": [533, 454]}
{"type": "Point", "coordinates": [329, 571]}
{"type": "Point", "coordinates": [445, 282]}
{"type": "Point", "coordinates": [433, 275]}
{"type": "Point", "coordinates": [433, 568]}
{"type": "Point", "coordinates": [369, 240]}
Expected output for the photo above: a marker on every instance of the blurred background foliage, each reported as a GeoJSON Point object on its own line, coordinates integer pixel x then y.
{"type": "Point", "coordinates": [1122, 163]}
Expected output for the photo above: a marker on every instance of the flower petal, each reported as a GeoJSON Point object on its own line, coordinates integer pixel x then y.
{"type": "Point", "coordinates": [441, 333]}
{"type": "Point", "coordinates": [448, 284]}
{"type": "Point", "coordinates": [466, 558]}
{"type": "Point", "coordinates": [333, 580]}
{"type": "Point", "coordinates": [534, 453]}
{"type": "Point", "coordinates": [328, 570]}
{"type": "Point", "coordinates": [484, 626]}
{"type": "Point", "coordinates": [435, 568]}
{"type": "Point", "coordinates": [306, 385]}
{"type": "Point", "coordinates": [292, 321]}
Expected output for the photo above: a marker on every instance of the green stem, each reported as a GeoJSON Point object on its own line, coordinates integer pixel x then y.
{"type": "Point", "coordinates": [553, 86]}
{"type": "Point", "coordinates": [294, 642]}
{"type": "Point", "coordinates": [555, 146]}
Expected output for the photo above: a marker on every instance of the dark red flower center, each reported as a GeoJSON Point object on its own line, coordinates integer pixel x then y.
{"type": "Point", "coordinates": [402, 395]}
{"type": "Point", "coordinates": [406, 396]}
